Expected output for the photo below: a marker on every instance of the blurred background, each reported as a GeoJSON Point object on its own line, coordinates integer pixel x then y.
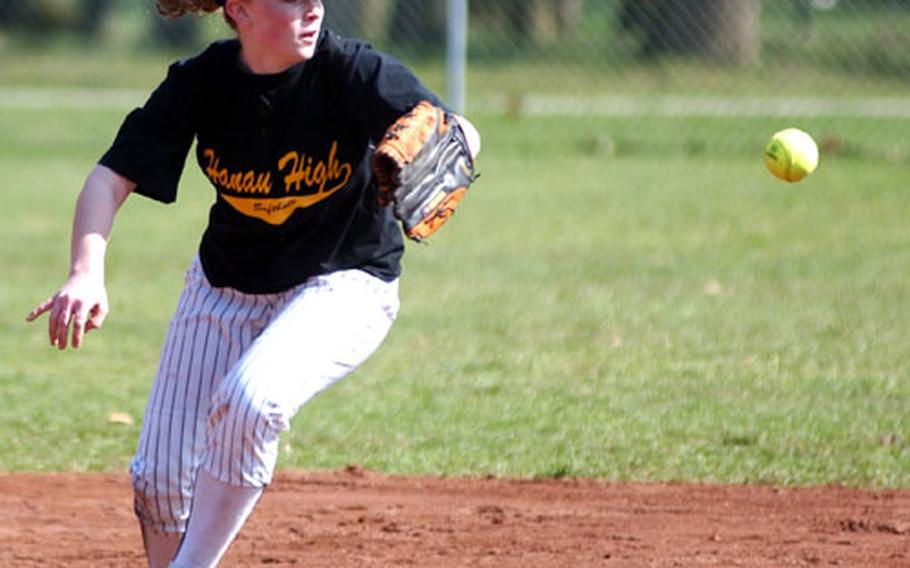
{"type": "Point", "coordinates": [838, 68]}
{"type": "Point", "coordinates": [631, 294]}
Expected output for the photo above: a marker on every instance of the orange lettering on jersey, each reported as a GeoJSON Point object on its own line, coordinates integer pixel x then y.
{"type": "Point", "coordinates": [302, 171]}
{"type": "Point", "coordinates": [238, 182]}
{"type": "Point", "coordinates": [307, 182]}
{"type": "Point", "coordinates": [272, 211]}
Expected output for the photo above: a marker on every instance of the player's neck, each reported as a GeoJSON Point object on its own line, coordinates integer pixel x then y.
{"type": "Point", "coordinates": [262, 63]}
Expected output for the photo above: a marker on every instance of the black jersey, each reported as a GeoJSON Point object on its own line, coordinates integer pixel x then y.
{"type": "Point", "coordinates": [288, 155]}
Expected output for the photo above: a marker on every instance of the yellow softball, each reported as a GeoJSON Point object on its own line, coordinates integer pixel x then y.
{"type": "Point", "coordinates": [791, 154]}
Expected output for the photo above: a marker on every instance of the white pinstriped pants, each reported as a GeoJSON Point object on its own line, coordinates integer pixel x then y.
{"type": "Point", "coordinates": [234, 370]}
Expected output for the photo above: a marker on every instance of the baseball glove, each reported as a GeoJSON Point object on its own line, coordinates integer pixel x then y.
{"type": "Point", "coordinates": [424, 168]}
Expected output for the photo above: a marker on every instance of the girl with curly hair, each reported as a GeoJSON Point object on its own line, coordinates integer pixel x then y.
{"type": "Point", "coordinates": [295, 282]}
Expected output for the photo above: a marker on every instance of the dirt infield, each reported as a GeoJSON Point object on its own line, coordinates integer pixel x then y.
{"type": "Point", "coordinates": [356, 518]}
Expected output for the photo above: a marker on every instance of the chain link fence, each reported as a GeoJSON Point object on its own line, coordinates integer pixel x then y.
{"type": "Point", "coordinates": [656, 75]}
{"type": "Point", "coordinates": [684, 76]}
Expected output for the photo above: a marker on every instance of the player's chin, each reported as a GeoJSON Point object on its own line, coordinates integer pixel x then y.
{"type": "Point", "coordinates": [306, 47]}
{"type": "Point", "coordinates": [304, 52]}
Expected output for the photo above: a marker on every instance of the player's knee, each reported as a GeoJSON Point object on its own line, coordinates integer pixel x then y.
{"type": "Point", "coordinates": [251, 416]}
{"type": "Point", "coordinates": [243, 439]}
{"type": "Point", "coordinates": [160, 499]}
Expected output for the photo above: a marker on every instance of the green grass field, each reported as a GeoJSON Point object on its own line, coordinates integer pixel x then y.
{"type": "Point", "coordinates": [607, 303]}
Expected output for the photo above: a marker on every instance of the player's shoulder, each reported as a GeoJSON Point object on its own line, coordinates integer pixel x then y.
{"type": "Point", "coordinates": [336, 49]}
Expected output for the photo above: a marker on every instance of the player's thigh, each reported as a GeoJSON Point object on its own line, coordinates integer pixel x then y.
{"type": "Point", "coordinates": [327, 329]}
{"type": "Point", "coordinates": [209, 332]}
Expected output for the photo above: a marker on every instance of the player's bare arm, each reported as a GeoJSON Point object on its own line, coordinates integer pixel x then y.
{"type": "Point", "coordinates": [82, 300]}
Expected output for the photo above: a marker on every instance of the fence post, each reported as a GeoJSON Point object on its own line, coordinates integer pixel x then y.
{"type": "Point", "coordinates": [456, 52]}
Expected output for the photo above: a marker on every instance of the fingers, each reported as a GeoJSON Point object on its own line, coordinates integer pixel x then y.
{"type": "Point", "coordinates": [60, 321]}
{"type": "Point", "coordinates": [40, 309]}
{"type": "Point", "coordinates": [64, 312]}
{"type": "Point", "coordinates": [84, 311]}
{"type": "Point", "coordinates": [53, 318]}
{"type": "Point", "coordinates": [83, 321]}
{"type": "Point", "coordinates": [51, 305]}
{"type": "Point", "coordinates": [95, 319]}
{"type": "Point", "coordinates": [97, 316]}
{"type": "Point", "coordinates": [79, 328]}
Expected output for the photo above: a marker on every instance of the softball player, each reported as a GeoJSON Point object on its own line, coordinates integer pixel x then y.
{"type": "Point", "coordinates": [296, 279]}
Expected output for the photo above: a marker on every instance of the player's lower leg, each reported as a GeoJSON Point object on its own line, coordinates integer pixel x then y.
{"type": "Point", "coordinates": [219, 511]}
{"type": "Point", "coordinates": [160, 547]}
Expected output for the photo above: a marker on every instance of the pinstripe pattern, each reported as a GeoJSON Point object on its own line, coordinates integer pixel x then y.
{"type": "Point", "coordinates": [234, 370]}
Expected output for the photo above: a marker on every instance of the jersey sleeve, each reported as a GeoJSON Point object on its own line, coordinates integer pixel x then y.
{"type": "Point", "coordinates": [379, 88]}
{"type": "Point", "coordinates": [151, 147]}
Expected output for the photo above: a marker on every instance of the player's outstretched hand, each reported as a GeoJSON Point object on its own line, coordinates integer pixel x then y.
{"type": "Point", "coordinates": [82, 302]}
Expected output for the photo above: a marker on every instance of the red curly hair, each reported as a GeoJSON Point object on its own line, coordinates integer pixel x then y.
{"type": "Point", "coordinates": [177, 8]}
